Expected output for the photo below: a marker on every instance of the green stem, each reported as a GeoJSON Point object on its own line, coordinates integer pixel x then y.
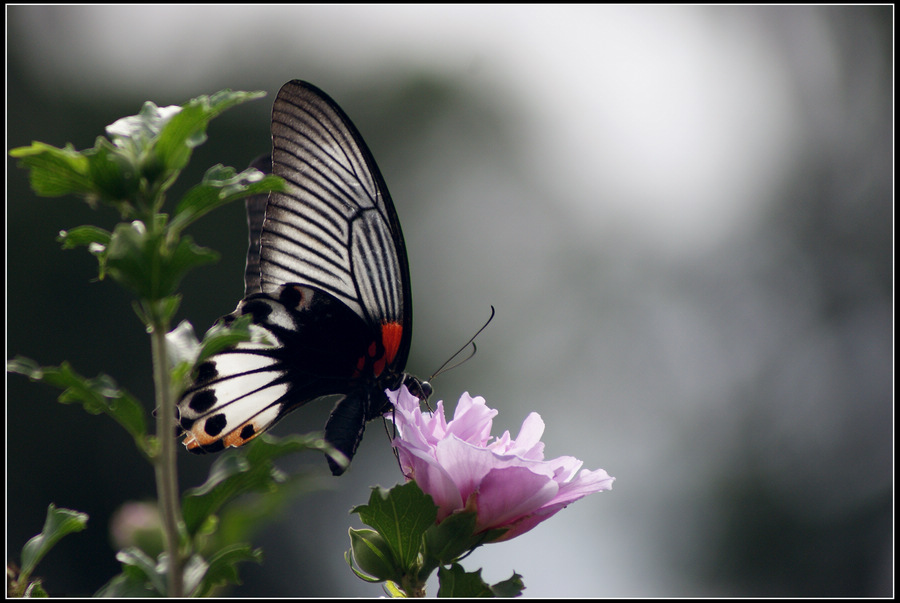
{"type": "Point", "coordinates": [412, 587]}
{"type": "Point", "coordinates": [166, 468]}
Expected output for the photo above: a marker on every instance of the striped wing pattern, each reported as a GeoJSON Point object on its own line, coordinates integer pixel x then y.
{"type": "Point", "coordinates": [336, 228]}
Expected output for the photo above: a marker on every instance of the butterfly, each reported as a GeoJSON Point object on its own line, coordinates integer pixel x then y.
{"type": "Point", "coordinates": [327, 281]}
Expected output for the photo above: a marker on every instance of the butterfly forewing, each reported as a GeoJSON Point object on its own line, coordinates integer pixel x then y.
{"type": "Point", "coordinates": [335, 228]}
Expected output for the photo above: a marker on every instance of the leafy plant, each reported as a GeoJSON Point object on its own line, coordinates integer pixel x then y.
{"type": "Point", "coordinates": [148, 253]}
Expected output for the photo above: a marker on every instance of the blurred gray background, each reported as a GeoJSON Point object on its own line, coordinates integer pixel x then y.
{"type": "Point", "coordinates": [683, 216]}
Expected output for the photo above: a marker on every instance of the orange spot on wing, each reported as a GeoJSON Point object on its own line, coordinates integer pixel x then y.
{"type": "Point", "coordinates": [234, 438]}
{"type": "Point", "coordinates": [197, 438]}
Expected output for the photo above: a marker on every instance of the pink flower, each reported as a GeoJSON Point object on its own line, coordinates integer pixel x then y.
{"type": "Point", "coordinates": [506, 481]}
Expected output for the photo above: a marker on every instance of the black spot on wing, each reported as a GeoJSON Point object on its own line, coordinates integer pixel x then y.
{"type": "Point", "coordinates": [215, 424]}
{"type": "Point", "coordinates": [216, 446]}
{"type": "Point", "coordinates": [202, 401]}
{"type": "Point", "coordinates": [207, 371]}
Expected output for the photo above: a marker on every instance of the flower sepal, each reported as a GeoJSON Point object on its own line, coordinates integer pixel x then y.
{"type": "Point", "coordinates": [373, 557]}
{"type": "Point", "coordinates": [453, 538]}
{"type": "Point", "coordinates": [447, 541]}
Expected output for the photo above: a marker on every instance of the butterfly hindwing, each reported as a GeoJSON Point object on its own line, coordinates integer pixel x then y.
{"type": "Point", "coordinates": [347, 422]}
{"type": "Point", "coordinates": [241, 391]}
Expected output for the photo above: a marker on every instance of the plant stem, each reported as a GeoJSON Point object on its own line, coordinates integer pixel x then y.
{"type": "Point", "coordinates": [165, 465]}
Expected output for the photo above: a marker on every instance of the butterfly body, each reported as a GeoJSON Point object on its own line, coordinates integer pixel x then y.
{"type": "Point", "coordinates": [327, 284]}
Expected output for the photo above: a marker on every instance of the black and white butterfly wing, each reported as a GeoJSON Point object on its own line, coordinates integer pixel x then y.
{"type": "Point", "coordinates": [328, 284]}
{"type": "Point", "coordinates": [336, 227]}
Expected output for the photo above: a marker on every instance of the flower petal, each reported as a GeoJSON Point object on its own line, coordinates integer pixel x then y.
{"type": "Point", "coordinates": [586, 483]}
{"type": "Point", "coordinates": [472, 420]}
{"type": "Point", "coordinates": [433, 479]}
{"type": "Point", "coordinates": [506, 495]}
{"type": "Point", "coordinates": [528, 443]}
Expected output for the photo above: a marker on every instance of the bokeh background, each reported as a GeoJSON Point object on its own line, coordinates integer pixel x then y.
{"type": "Point", "coordinates": [683, 216]}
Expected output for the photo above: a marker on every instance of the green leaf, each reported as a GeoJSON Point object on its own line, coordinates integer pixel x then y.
{"type": "Point", "coordinates": [137, 130]}
{"type": "Point", "coordinates": [193, 572]}
{"type": "Point", "coordinates": [247, 469]}
{"type": "Point", "coordinates": [401, 515]}
{"type": "Point", "coordinates": [35, 590]}
{"type": "Point", "coordinates": [94, 238]}
{"type": "Point", "coordinates": [187, 129]}
{"type": "Point", "coordinates": [103, 173]}
{"type": "Point", "coordinates": [223, 567]}
{"type": "Point", "coordinates": [145, 262]}
{"type": "Point", "coordinates": [221, 185]}
{"type": "Point", "coordinates": [394, 591]}
{"type": "Point", "coordinates": [221, 336]}
{"type": "Point", "coordinates": [116, 176]}
{"type": "Point", "coordinates": [137, 560]}
{"type": "Point", "coordinates": [98, 395]}
{"type": "Point", "coordinates": [55, 172]}
{"type": "Point", "coordinates": [83, 236]}
{"type": "Point", "coordinates": [59, 523]}
{"type": "Point", "coordinates": [133, 259]}
{"type": "Point", "coordinates": [143, 576]}
{"type": "Point", "coordinates": [511, 587]}
{"type": "Point", "coordinates": [229, 476]}
{"type": "Point", "coordinates": [181, 260]}
{"type": "Point", "coordinates": [457, 582]}
{"type": "Point", "coordinates": [182, 349]}
{"type": "Point", "coordinates": [132, 582]}
{"type": "Point", "coordinates": [373, 556]}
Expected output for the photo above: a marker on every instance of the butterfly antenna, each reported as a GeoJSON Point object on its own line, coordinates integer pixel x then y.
{"type": "Point", "coordinates": [444, 368]}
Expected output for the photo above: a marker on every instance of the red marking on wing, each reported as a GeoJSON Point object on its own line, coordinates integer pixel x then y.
{"type": "Point", "coordinates": [391, 335]}
{"type": "Point", "coordinates": [378, 366]}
